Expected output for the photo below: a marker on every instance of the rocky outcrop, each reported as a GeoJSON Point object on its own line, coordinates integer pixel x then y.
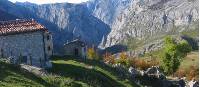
{"type": "Point", "coordinates": [134, 72]}
{"type": "Point", "coordinates": [154, 71]}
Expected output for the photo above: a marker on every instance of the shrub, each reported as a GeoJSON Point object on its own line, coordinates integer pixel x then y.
{"type": "Point", "coordinates": [123, 59]}
{"type": "Point", "coordinates": [184, 48]}
{"type": "Point", "coordinates": [180, 73]}
{"type": "Point", "coordinates": [142, 64]}
{"type": "Point", "coordinates": [108, 58]}
{"type": "Point", "coordinates": [193, 73]}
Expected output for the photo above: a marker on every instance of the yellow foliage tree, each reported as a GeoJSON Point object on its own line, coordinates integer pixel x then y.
{"type": "Point", "coordinates": [123, 59]}
{"type": "Point", "coordinates": [92, 54]}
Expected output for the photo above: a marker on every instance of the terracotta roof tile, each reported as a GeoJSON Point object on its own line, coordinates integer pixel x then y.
{"type": "Point", "coordinates": [19, 26]}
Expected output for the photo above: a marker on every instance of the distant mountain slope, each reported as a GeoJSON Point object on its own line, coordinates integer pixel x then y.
{"type": "Point", "coordinates": [6, 16]}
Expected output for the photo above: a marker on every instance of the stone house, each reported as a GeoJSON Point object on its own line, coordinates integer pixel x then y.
{"type": "Point", "coordinates": [75, 48]}
{"type": "Point", "coordinates": [25, 42]}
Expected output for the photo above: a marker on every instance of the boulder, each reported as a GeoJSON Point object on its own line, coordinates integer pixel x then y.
{"type": "Point", "coordinates": [154, 71]}
{"type": "Point", "coordinates": [193, 83]}
{"type": "Point", "coordinates": [133, 71]}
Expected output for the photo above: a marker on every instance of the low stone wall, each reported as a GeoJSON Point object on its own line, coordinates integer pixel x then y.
{"type": "Point", "coordinates": [35, 70]}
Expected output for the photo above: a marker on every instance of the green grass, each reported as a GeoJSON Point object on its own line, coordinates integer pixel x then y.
{"type": "Point", "coordinates": [93, 73]}
{"type": "Point", "coordinates": [192, 59]}
{"type": "Point", "coordinates": [66, 72]}
{"type": "Point", "coordinates": [11, 76]}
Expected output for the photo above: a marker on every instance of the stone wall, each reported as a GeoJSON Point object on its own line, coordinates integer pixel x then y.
{"type": "Point", "coordinates": [70, 50]}
{"type": "Point", "coordinates": [28, 46]}
{"type": "Point", "coordinates": [48, 44]}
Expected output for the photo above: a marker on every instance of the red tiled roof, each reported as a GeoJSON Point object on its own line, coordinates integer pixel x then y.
{"type": "Point", "coordinates": [19, 26]}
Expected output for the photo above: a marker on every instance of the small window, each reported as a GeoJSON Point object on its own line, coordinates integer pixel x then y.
{"type": "Point", "coordinates": [1, 52]}
{"type": "Point", "coordinates": [76, 52]}
{"type": "Point", "coordinates": [49, 48]}
{"type": "Point", "coordinates": [48, 37]}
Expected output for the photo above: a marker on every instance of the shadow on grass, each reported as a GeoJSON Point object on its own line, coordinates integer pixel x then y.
{"type": "Point", "coordinates": [114, 71]}
{"type": "Point", "coordinates": [9, 70]}
{"type": "Point", "coordinates": [102, 65]}
{"type": "Point", "coordinates": [89, 76]}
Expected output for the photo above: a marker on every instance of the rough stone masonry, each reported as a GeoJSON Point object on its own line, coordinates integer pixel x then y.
{"type": "Point", "coordinates": [25, 42]}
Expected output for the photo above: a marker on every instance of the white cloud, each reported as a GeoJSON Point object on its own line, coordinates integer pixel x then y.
{"type": "Point", "coordinates": [50, 1]}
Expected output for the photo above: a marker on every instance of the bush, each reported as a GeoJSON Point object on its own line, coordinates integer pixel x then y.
{"type": "Point", "coordinates": [184, 48]}
{"type": "Point", "coordinates": [191, 73]}
{"type": "Point", "coordinates": [108, 58]}
{"type": "Point", "coordinates": [142, 64]}
{"type": "Point", "coordinates": [123, 59]}
{"type": "Point", "coordinates": [180, 73]}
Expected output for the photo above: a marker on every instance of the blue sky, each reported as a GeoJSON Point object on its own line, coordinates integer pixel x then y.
{"type": "Point", "coordinates": [49, 1]}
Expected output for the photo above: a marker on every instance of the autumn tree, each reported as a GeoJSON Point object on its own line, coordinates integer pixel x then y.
{"type": "Point", "coordinates": [92, 54]}
{"type": "Point", "coordinates": [108, 58]}
{"type": "Point", "coordinates": [123, 59]}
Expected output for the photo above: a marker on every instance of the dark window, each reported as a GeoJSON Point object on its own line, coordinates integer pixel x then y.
{"type": "Point", "coordinates": [49, 48]}
{"type": "Point", "coordinates": [48, 37]}
{"type": "Point", "coordinates": [1, 53]}
{"type": "Point", "coordinates": [76, 52]}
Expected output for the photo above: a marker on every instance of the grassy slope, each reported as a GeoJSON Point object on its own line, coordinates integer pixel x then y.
{"type": "Point", "coordinates": [65, 72]}
{"type": "Point", "coordinates": [91, 72]}
{"type": "Point", "coordinates": [192, 59]}
{"type": "Point", "coordinates": [11, 76]}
